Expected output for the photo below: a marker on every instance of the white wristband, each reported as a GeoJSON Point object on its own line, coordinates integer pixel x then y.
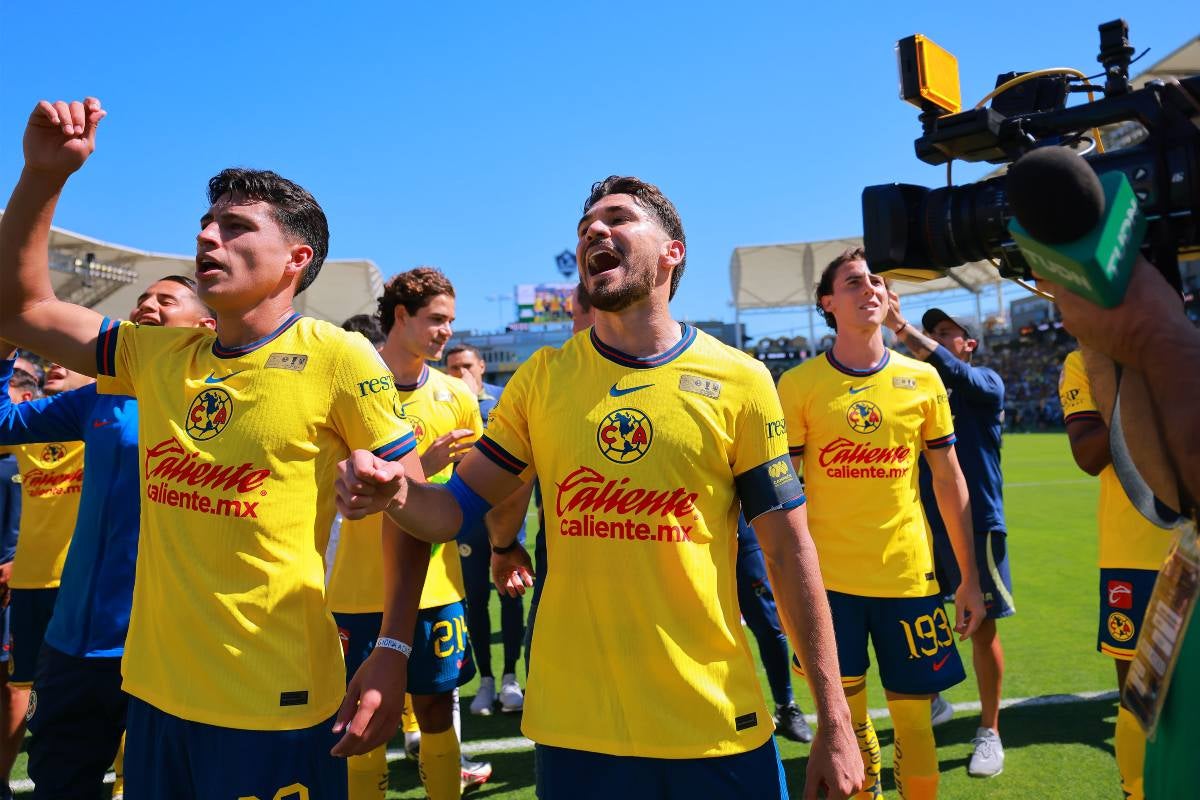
{"type": "Point", "coordinates": [394, 644]}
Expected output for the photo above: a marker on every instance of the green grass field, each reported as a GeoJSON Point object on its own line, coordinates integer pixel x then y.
{"type": "Point", "coordinates": [1053, 751]}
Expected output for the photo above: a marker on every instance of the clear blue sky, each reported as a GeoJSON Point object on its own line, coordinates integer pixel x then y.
{"type": "Point", "coordinates": [466, 135]}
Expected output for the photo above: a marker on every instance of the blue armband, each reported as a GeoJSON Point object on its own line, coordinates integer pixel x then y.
{"type": "Point", "coordinates": [473, 506]}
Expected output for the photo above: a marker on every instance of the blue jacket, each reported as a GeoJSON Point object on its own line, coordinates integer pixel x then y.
{"type": "Point", "coordinates": [91, 614]}
{"type": "Point", "coordinates": [977, 405]}
{"type": "Point", "coordinates": [10, 507]}
{"type": "Point", "coordinates": [488, 399]}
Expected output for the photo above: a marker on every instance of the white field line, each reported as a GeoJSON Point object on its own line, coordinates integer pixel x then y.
{"type": "Point", "coordinates": [518, 743]}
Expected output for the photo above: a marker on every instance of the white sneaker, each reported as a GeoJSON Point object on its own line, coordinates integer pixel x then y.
{"type": "Point", "coordinates": [485, 698]}
{"type": "Point", "coordinates": [412, 745]}
{"type": "Point", "coordinates": [940, 711]}
{"type": "Point", "coordinates": [511, 697]}
{"type": "Point", "coordinates": [988, 758]}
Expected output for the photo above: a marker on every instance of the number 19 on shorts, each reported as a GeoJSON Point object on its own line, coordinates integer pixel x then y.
{"type": "Point", "coordinates": [924, 634]}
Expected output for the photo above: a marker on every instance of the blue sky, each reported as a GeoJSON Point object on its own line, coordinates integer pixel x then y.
{"type": "Point", "coordinates": [466, 135]}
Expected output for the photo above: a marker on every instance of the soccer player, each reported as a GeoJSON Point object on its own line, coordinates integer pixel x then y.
{"type": "Point", "coordinates": [415, 314]}
{"type": "Point", "coordinates": [231, 659]}
{"type": "Point", "coordinates": [51, 479]}
{"type": "Point", "coordinates": [857, 418]}
{"type": "Point", "coordinates": [466, 360]}
{"type": "Point", "coordinates": [645, 433]}
{"type": "Point", "coordinates": [1132, 551]}
{"type": "Point", "coordinates": [977, 405]}
{"type": "Point", "coordinates": [79, 717]}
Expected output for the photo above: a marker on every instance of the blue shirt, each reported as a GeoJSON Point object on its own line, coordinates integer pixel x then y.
{"type": "Point", "coordinates": [91, 614]}
{"type": "Point", "coordinates": [10, 507]}
{"type": "Point", "coordinates": [977, 405]}
{"type": "Point", "coordinates": [488, 399]}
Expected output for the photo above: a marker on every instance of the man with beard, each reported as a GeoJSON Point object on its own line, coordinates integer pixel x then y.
{"type": "Point", "coordinates": [646, 434]}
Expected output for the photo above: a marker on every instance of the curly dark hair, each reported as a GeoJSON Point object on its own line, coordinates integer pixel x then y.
{"type": "Point", "coordinates": [368, 326]}
{"type": "Point", "coordinates": [825, 285]}
{"type": "Point", "coordinates": [297, 212]}
{"type": "Point", "coordinates": [651, 198]}
{"type": "Point", "coordinates": [413, 290]}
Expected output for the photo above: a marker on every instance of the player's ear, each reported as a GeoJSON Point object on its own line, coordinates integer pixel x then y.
{"type": "Point", "coordinates": [971, 344]}
{"type": "Point", "coordinates": [300, 255]}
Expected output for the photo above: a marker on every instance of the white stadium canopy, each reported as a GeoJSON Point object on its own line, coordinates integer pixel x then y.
{"type": "Point", "coordinates": [109, 277]}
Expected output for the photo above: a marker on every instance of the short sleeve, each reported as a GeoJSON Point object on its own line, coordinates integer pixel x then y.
{"type": "Point", "coordinates": [762, 468]}
{"type": "Point", "coordinates": [367, 420]}
{"type": "Point", "coordinates": [507, 442]}
{"type": "Point", "coordinates": [118, 357]}
{"type": "Point", "coordinates": [938, 427]}
{"type": "Point", "coordinates": [793, 413]}
{"type": "Point", "coordinates": [1075, 389]}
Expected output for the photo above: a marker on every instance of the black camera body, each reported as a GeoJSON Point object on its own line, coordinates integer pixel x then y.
{"type": "Point", "coordinates": [923, 232]}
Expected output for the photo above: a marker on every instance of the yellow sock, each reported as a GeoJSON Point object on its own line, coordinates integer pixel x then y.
{"type": "Point", "coordinates": [119, 770]}
{"type": "Point", "coordinates": [368, 775]}
{"type": "Point", "coordinates": [408, 721]}
{"type": "Point", "coordinates": [441, 770]}
{"type": "Point", "coordinates": [868, 743]}
{"type": "Point", "coordinates": [1130, 744]}
{"type": "Point", "coordinates": [915, 764]}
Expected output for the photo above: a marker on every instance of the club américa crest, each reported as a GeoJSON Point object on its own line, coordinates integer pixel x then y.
{"type": "Point", "coordinates": [625, 435]}
{"type": "Point", "coordinates": [210, 412]}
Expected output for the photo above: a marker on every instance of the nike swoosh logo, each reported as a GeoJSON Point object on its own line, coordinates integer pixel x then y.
{"type": "Point", "coordinates": [861, 388]}
{"type": "Point", "coordinates": [212, 377]}
{"type": "Point", "coordinates": [615, 392]}
{"type": "Point", "coordinates": [100, 423]}
{"type": "Point", "coordinates": [937, 665]}
{"type": "Point", "coordinates": [404, 406]}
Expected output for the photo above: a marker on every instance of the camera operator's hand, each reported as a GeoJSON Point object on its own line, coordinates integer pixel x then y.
{"type": "Point", "coordinates": [1123, 333]}
{"type": "Point", "coordinates": [894, 318]}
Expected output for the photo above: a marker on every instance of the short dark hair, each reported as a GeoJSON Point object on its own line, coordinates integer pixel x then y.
{"type": "Point", "coordinates": [463, 347]}
{"type": "Point", "coordinates": [651, 198]}
{"type": "Point", "coordinates": [825, 284]}
{"type": "Point", "coordinates": [184, 279]}
{"type": "Point", "coordinates": [24, 381]}
{"type": "Point", "coordinates": [368, 326]}
{"type": "Point", "coordinates": [297, 212]}
{"type": "Point", "coordinates": [413, 290]}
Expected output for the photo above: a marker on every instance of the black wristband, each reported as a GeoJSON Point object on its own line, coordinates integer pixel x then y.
{"type": "Point", "coordinates": [903, 325]}
{"type": "Point", "coordinates": [508, 548]}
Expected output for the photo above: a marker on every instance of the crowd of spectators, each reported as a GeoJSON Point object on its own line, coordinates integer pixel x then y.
{"type": "Point", "coordinates": [1030, 366]}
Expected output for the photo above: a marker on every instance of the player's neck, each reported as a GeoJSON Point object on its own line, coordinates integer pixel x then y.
{"type": "Point", "coordinates": [640, 330]}
{"type": "Point", "coordinates": [236, 329]}
{"type": "Point", "coordinates": [405, 365]}
{"type": "Point", "coordinates": [860, 349]}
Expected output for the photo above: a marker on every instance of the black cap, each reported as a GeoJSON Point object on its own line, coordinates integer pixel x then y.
{"type": "Point", "coordinates": [931, 318]}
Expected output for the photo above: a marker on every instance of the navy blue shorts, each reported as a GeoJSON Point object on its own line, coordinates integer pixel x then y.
{"type": "Point", "coordinates": [76, 717]}
{"type": "Point", "coordinates": [1124, 595]}
{"type": "Point", "coordinates": [912, 637]}
{"type": "Point", "coordinates": [5, 637]}
{"type": "Point", "coordinates": [29, 618]}
{"type": "Point", "coordinates": [581, 775]}
{"type": "Point", "coordinates": [166, 756]}
{"type": "Point", "coordinates": [991, 561]}
{"type": "Point", "coordinates": [441, 659]}
{"type": "Point", "coordinates": [358, 633]}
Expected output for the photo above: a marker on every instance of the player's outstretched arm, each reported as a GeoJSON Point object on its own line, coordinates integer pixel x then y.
{"type": "Point", "coordinates": [795, 575]}
{"type": "Point", "coordinates": [954, 504]}
{"type": "Point", "coordinates": [59, 137]}
{"type": "Point", "coordinates": [431, 512]}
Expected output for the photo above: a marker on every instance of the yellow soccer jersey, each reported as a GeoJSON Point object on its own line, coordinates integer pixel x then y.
{"type": "Point", "coordinates": [51, 477]}
{"type": "Point", "coordinates": [642, 462]}
{"type": "Point", "coordinates": [1127, 539]}
{"type": "Point", "coordinates": [860, 433]}
{"type": "Point", "coordinates": [434, 406]}
{"type": "Point", "coordinates": [239, 450]}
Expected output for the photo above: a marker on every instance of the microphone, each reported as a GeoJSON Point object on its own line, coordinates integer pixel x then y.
{"type": "Point", "coordinates": [1075, 228]}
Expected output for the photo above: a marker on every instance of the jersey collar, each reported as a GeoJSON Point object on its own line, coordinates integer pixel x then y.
{"type": "Point", "coordinates": [220, 351]}
{"type": "Point", "coordinates": [858, 373]}
{"type": "Point", "coordinates": [410, 387]}
{"type": "Point", "coordinates": [646, 362]}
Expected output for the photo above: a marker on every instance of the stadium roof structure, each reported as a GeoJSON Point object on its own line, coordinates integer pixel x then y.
{"type": "Point", "coordinates": [783, 276]}
{"type": "Point", "coordinates": [110, 277]}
